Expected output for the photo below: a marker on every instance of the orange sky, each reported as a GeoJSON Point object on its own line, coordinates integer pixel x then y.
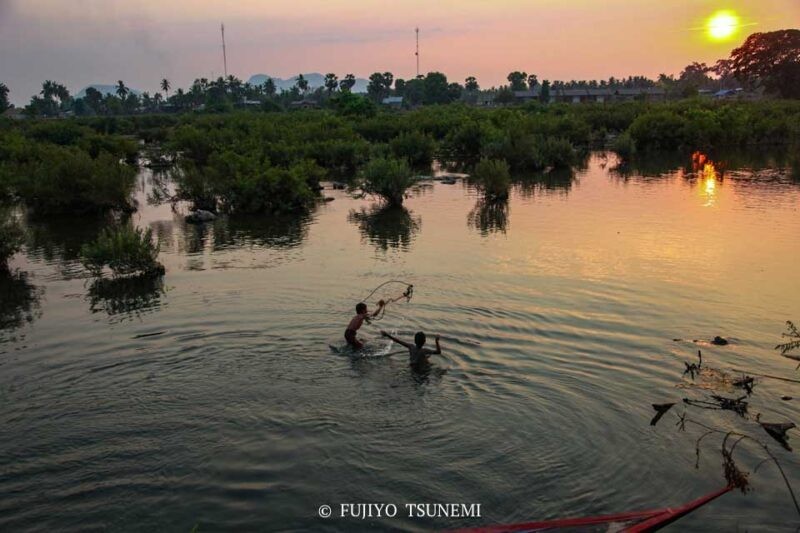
{"type": "Point", "coordinates": [92, 41]}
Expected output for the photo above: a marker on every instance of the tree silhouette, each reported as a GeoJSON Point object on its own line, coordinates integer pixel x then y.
{"type": "Point", "coordinates": [471, 84]}
{"type": "Point", "coordinates": [347, 83]}
{"type": "Point", "coordinates": [4, 97]}
{"type": "Point", "coordinates": [268, 87]}
{"type": "Point", "coordinates": [165, 86]}
{"type": "Point", "coordinates": [122, 91]}
{"type": "Point", "coordinates": [771, 60]}
{"type": "Point", "coordinates": [517, 80]}
{"type": "Point", "coordinates": [301, 84]}
{"type": "Point", "coordinates": [331, 82]}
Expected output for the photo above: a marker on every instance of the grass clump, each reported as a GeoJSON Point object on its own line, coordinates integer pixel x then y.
{"type": "Point", "coordinates": [125, 250]}
{"type": "Point", "coordinates": [388, 178]}
{"type": "Point", "coordinates": [493, 178]}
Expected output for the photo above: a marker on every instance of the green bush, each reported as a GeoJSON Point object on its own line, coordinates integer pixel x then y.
{"type": "Point", "coordinates": [624, 146]}
{"type": "Point", "coordinates": [125, 250]}
{"type": "Point", "coordinates": [558, 153]}
{"type": "Point", "coordinates": [661, 129]}
{"type": "Point", "coordinates": [388, 178]}
{"type": "Point", "coordinates": [68, 180]}
{"type": "Point", "coordinates": [415, 147]}
{"type": "Point", "coordinates": [493, 178]}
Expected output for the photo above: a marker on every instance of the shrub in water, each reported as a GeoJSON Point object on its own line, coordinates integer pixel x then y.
{"type": "Point", "coordinates": [125, 250]}
{"type": "Point", "coordinates": [68, 180]}
{"type": "Point", "coordinates": [492, 177]}
{"type": "Point", "coordinates": [558, 153]}
{"type": "Point", "coordinates": [416, 147]}
{"type": "Point", "coordinates": [388, 178]}
{"type": "Point", "coordinates": [624, 146]}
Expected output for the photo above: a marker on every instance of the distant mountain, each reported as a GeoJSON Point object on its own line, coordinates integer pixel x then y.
{"type": "Point", "coordinates": [315, 79]}
{"type": "Point", "coordinates": [105, 90]}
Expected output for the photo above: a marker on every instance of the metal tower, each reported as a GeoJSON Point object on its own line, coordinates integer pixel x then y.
{"type": "Point", "coordinates": [417, 53]}
{"type": "Point", "coordinates": [224, 54]}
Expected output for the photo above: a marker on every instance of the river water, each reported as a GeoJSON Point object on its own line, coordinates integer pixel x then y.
{"type": "Point", "coordinates": [213, 398]}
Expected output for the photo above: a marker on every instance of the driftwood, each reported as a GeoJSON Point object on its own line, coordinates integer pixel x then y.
{"type": "Point", "coordinates": [661, 409]}
{"type": "Point", "coordinates": [778, 432]}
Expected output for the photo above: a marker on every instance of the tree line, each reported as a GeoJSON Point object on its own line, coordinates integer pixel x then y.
{"type": "Point", "coordinates": [766, 61]}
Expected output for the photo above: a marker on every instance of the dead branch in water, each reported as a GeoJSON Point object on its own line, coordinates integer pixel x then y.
{"type": "Point", "coordinates": [733, 474]}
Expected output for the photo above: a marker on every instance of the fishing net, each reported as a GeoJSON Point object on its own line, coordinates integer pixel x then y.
{"type": "Point", "coordinates": [389, 292]}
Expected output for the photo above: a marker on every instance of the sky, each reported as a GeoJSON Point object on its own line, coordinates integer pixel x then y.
{"type": "Point", "coordinates": [82, 42]}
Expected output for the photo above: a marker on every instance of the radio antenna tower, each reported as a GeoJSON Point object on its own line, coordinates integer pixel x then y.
{"type": "Point", "coordinates": [417, 54]}
{"type": "Point", "coordinates": [224, 54]}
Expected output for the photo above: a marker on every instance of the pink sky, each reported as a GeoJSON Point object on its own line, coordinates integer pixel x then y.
{"type": "Point", "coordinates": [79, 42]}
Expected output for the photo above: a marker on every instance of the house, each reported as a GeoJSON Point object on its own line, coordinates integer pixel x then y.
{"type": "Point", "coordinates": [485, 99]}
{"type": "Point", "coordinates": [14, 113]}
{"type": "Point", "coordinates": [303, 104]}
{"type": "Point", "coordinates": [727, 94]}
{"type": "Point", "coordinates": [606, 94]}
{"type": "Point", "coordinates": [523, 97]}
{"type": "Point", "coordinates": [393, 101]}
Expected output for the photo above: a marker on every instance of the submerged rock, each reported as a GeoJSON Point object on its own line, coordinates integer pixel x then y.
{"type": "Point", "coordinates": [719, 341]}
{"type": "Point", "coordinates": [200, 216]}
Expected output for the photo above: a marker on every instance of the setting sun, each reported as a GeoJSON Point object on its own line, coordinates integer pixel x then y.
{"type": "Point", "coordinates": [722, 25]}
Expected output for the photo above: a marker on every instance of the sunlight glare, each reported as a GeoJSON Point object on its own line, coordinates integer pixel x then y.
{"type": "Point", "coordinates": [722, 25]}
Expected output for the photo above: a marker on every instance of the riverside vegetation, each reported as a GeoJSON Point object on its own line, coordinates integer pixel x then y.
{"type": "Point", "coordinates": [256, 162]}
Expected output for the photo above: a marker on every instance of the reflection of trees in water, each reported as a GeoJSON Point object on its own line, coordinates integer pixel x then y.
{"type": "Point", "coordinates": [387, 227]}
{"type": "Point", "coordinates": [123, 298]}
{"type": "Point", "coordinates": [658, 166]}
{"type": "Point", "coordinates": [489, 216]}
{"type": "Point", "coordinates": [19, 301]}
{"type": "Point", "coordinates": [161, 189]}
{"type": "Point", "coordinates": [58, 239]}
{"type": "Point", "coordinates": [556, 181]}
{"type": "Point", "coordinates": [272, 231]}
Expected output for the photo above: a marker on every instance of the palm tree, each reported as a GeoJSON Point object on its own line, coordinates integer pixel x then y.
{"type": "Point", "coordinates": [48, 89]}
{"type": "Point", "coordinates": [269, 87]}
{"type": "Point", "coordinates": [331, 82]}
{"type": "Point", "coordinates": [165, 86]}
{"type": "Point", "coordinates": [302, 84]}
{"type": "Point", "coordinates": [347, 83]}
{"type": "Point", "coordinates": [122, 91]}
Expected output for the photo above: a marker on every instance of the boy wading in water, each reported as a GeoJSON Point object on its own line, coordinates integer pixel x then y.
{"type": "Point", "coordinates": [355, 324]}
{"type": "Point", "coordinates": [418, 355]}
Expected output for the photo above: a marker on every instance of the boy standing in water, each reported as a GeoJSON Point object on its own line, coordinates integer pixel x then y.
{"type": "Point", "coordinates": [355, 324]}
{"type": "Point", "coordinates": [417, 353]}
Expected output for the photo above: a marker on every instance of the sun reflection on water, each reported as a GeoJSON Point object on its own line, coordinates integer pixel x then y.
{"type": "Point", "coordinates": [707, 172]}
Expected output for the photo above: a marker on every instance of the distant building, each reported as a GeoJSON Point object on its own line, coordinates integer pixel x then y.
{"type": "Point", "coordinates": [303, 104]}
{"type": "Point", "coordinates": [727, 94]}
{"type": "Point", "coordinates": [592, 94]}
{"type": "Point", "coordinates": [393, 101]}
{"type": "Point", "coordinates": [485, 99]}
{"type": "Point", "coordinates": [15, 113]}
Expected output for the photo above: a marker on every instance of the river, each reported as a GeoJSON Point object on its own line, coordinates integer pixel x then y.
{"type": "Point", "coordinates": [213, 398]}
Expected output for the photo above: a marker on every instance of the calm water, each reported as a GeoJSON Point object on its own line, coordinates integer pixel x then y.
{"type": "Point", "coordinates": [213, 397]}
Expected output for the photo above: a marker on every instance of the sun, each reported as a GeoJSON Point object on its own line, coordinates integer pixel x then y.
{"type": "Point", "coordinates": [722, 25]}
